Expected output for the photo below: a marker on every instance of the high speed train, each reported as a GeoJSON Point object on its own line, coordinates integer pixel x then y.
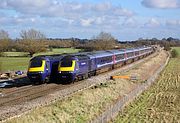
{"type": "Point", "coordinates": [78, 66]}
{"type": "Point", "coordinates": [43, 69]}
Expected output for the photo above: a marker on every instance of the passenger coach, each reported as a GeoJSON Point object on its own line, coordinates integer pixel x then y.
{"type": "Point", "coordinates": [83, 65]}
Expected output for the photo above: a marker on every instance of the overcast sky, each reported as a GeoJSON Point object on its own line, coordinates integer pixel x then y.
{"type": "Point", "coordinates": [124, 19]}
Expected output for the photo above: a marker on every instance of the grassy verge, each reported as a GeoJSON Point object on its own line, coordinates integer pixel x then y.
{"type": "Point", "coordinates": [86, 105]}
{"type": "Point", "coordinates": [161, 103]}
{"type": "Point", "coordinates": [79, 108]}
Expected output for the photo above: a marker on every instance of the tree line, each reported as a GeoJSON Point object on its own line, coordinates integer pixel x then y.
{"type": "Point", "coordinates": [34, 41]}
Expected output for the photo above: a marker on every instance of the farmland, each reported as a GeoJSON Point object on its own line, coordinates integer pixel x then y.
{"type": "Point", "coordinates": [19, 60]}
{"type": "Point", "coordinates": [14, 63]}
{"type": "Point", "coordinates": [160, 103]}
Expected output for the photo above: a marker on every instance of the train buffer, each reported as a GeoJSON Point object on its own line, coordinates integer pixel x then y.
{"type": "Point", "coordinates": [123, 77]}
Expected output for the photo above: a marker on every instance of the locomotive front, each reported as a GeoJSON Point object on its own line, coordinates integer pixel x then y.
{"type": "Point", "coordinates": [37, 70]}
{"type": "Point", "coordinates": [67, 69]}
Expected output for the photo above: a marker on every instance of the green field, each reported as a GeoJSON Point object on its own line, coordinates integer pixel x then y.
{"type": "Point", "coordinates": [161, 102]}
{"type": "Point", "coordinates": [59, 51]}
{"type": "Point", "coordinates": [177, 49]}
{"type": "Point", "coordinates": [14, 63]}
{"type": "Point", "coordinates": [18, 61]}
{"type": "Point", "coordinates": [14, 54]}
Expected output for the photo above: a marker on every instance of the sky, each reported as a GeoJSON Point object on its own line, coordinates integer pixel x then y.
{"type": "Point", "coordinates": [124, 19]}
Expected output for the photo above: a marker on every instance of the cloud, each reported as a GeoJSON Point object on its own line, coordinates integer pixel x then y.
{"type": "Point", "coordinates": [174, 23]}
{"type": "Point", "coordinates": [66, 17]}
{"type": "Point", "coordinates": [161, 4]}
{"type": "Point", "coordinates": [56, 8]}
{"type": "Point", "coordinates": [152, 23]}
{"type": "Point", "coordinates": [69, 13]}
{"type": "Point", "coordinates": [130, 22]}
{"type": "Point", "coordinates": [87, 22]}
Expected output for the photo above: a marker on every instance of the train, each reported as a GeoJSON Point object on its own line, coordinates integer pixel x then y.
{"type": "Point", "coordinates": [78, 66]}
{"type": "Point", "coordinates": [43, 68]}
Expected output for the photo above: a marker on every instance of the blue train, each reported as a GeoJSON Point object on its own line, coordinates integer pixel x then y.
{"type": "Point", "coordinates": [80, 66]}
{"type": "Point", "coordinates": [43, 69]}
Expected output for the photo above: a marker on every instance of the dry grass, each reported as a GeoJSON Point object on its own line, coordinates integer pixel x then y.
{"type": "Point", "coordinates": [145, 70]}
{"type": "Point", "coordinates": [85, 105]}
{"type": "Point", "coordinates": [161, 103]}
{"type": "Point", "coordinates": [81, 107]}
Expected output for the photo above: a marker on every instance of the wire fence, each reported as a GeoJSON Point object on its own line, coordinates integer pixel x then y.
{"type": "Point", "coordinates": [113, 110]}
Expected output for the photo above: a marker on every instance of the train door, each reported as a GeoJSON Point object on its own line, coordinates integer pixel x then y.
{"type": "Point", "coordinates": [91, 64]}
{"type": "Point", "coordinates": [48, 70]}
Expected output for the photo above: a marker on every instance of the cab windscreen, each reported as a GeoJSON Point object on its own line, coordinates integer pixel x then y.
{"type": "Point", "coordinates": [35, 63]}
{"type": "Point", "coordinates": [66, 63]}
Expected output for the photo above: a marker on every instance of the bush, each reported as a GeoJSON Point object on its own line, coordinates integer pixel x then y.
{"type": "Point", "coordinates": [174, 53]}
{"type": "Point", "coordinates": [167, 48]}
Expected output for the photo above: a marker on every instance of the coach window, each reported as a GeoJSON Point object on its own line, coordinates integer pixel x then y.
{"type": "Point", "coordinates": [136, 53]}
{"type": "Point", "coordinates": [121, 56]}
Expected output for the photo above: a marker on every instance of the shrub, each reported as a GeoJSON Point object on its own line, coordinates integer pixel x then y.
{"type": "Point", "coordinates": [174, 53]}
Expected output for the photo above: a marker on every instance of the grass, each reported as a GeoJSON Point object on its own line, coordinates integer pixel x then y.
{"type": "Point", "coordinates": [177, 49]}
{"type": "Point", "coordinates": [14, 54]}
{"type": "Point", "coordinates": [81, 107]}
{"type": "Point", "coordinates": [160, 103]}
{"type": "Point", "coordinates": [17, 61]}
{"type": "Point", "coordinates": [54, 51]}
{"type": "Point", "coordinates": [14, 63]}
{"type": "Point", "coordinates": [59, 51]}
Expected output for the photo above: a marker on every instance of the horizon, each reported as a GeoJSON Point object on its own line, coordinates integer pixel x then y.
{"type": "Point", "coordinates": [124, 20]}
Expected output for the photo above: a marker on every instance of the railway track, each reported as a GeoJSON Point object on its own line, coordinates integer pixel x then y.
{"type": "Point", "coordinates": [26, 93]}
{"type": "Point", "coordinates": [16, 101]}
{"type": "Point", "coordinates": [30, 92]}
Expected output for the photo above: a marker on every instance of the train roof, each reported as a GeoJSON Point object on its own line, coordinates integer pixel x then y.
{"type": "Point", "coordinates": [50, 57]}
{"type": "Point", "coordinates": [116, 51]}
{"type": "Point", "coordinates": [144, 48]}
{"type": "Point", "coordinates": [101, 53]}
{"type": "Point", "coordinates": [78, 56]}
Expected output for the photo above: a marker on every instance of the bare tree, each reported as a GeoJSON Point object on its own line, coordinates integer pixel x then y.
{"type": "Point", "coordinates": [103, 41]}
{"type": "Point", "coordinates": [32, 41]}
{"type": "Point", "coordinates": [32, 34]}
{"type": "Point", "coordinates": [4, 40]}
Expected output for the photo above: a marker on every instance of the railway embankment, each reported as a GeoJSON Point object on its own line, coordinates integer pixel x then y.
{"type": "Point", "coordinates": [160, 102]}
{"type": "Point", "coordinates": [100, 97]}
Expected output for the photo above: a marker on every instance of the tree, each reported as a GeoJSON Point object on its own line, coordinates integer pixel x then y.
{"type": "Point", "coordinates": [4, 41]}
{"type": "Point", "coordinates": [103, 41]}
{"type": "Point", "coordinates": [32, 41]}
